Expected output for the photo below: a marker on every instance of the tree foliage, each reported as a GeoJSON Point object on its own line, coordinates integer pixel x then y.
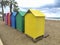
{"type": "Point", "coordinates": [9, 3]}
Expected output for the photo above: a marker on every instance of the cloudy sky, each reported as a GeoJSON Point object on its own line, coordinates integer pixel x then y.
{"type": "Point", "coordinates": [31, 4]}
{"type": "Point", "coordinates": [34, 3]}
{"type": "Point", "coordinates": [40, 3]}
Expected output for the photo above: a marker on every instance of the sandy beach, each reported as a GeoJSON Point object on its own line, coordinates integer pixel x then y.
{"type": "Point", "coordinates": [11, 36]}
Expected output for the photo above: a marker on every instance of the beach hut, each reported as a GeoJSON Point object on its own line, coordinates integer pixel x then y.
{"type": "Point", "coordinates": [34, 23]}
{"type": "Point", "coordinates": [9, 22]}
{"type": "Point", "coordinates": [20, 21]}
{"type": "Point", "coordinates": [13, 19]}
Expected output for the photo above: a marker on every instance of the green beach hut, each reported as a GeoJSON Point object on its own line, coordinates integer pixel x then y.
{"type": "Point", "coordinates": [20, 21]}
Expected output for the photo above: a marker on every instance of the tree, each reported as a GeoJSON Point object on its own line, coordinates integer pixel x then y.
{"type": "Point", "coordinates": [3, 4]}
{"type": "Point", "coordinates": [9, 3]}
{"type": "Point", "coordinates": [15, 7]}
{"type": "Point", "coordinates": [14, 3]}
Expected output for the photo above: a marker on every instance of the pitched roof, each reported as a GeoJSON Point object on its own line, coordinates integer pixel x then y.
{"type": "Point", "coordinates": [14, 13]}
{"type": "Point", "coordinates": [37, 13]}
{"type": "Point", "coordinates": [22, 13]}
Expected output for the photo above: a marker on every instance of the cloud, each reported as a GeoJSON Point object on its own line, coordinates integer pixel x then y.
{"type": "Point", "coordinates": [57, 3]}
{"type": "Point", "coordinates": [33, 3]}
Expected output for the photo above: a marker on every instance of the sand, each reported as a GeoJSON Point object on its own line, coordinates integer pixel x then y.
{"type": "Point", "coordinates": [11, 36]}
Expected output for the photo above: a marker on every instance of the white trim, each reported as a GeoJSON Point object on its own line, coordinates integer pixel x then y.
{"type": "Point", "coordinates": [1, 42]}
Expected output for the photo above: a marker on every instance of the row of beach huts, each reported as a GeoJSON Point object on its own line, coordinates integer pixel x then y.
{"type": "Point", "coordinates": [31, 23]}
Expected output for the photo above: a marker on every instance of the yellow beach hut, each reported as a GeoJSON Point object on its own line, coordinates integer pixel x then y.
{"type": "Point", "coordinates": [34, 23]}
